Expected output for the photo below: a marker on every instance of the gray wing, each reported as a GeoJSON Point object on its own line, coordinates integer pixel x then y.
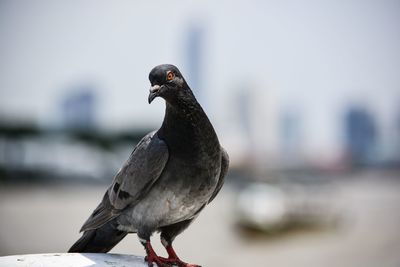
{"type": "Point", "coordinates": [132, 182]}
{"type": "Point", "coordinates": [224, 171]}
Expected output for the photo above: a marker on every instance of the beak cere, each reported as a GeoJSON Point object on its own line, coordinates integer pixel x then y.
{"type": "Point", "coordinates": [153, 92]}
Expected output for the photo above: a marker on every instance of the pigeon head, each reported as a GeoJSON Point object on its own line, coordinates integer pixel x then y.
{"type": "Point", "coordinates": [167, 82]}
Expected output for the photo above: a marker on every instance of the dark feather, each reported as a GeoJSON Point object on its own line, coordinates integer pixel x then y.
{"type": "Point", "coordinates": [224, 171]}
{"type": "Point", "coordinates": [98, 240]}
{"type": "Point", "coordinates": [135, 178]}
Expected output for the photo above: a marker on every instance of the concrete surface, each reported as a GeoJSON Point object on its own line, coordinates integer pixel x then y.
{"type": "Point", "coordinates": [72, 260]}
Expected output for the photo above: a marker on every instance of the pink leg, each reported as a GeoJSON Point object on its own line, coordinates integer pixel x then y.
{"type": "Point", "coordinates": [152, 256]}
{"type": "Point", "coordinates": [174, 259]}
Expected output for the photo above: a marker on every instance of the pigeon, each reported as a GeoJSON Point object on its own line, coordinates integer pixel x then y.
{"type": "Point", "coordinates": [168, 179]}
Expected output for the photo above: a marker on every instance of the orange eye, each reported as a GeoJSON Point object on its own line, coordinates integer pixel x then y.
{"type": "Point", "coordinates": [170, 76]}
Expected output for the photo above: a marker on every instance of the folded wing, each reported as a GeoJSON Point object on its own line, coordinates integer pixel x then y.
{"type": "Point", "coordinates": [132, 182]}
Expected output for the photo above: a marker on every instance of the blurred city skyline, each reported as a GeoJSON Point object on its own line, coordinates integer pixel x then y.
{"type": "Point", "coordinates": [278, 79]}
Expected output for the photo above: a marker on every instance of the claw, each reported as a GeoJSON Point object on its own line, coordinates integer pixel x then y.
{"type": "Point", "coordinates": [153, 258]}
{"type": "Point", "coordinates": [174, 260]}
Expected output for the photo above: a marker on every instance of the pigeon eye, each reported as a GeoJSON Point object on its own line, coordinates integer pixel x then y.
{"type": "Point", "coordinates": [170, 76]}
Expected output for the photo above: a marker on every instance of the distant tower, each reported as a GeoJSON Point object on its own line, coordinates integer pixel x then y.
{"type": "Point", "coordinates": [243, 106]}
{"type": "Point", "coordinates": [194, 53]}
{"type": "Point", "coordinates": [397, 137]}
{"type": "Point", "coordinates": [78, 108]}
{"type": "Point", "coordinates": [361, 136]}
{"type": "Point", "coordinates": [291, 135]}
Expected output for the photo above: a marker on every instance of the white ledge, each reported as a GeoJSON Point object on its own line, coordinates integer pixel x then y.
{"type": "Point", "coordinates": [72, 260]}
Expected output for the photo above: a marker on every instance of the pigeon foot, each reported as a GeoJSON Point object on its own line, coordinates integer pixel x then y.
{"type": "Point", "coordinates": [157, 260]}
{"type": "Point", "coordinates": [153, 258]}
{"type": "Point", "coordinates": [174, 260]}
{"type": "Point", "coordinates": [177, 262]}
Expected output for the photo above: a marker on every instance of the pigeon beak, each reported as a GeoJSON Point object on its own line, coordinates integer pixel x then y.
{"type": "Point", "coordinates": [153, 92]}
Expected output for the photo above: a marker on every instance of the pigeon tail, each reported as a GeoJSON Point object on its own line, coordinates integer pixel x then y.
{"type": "Point", "coordinates": [99, 240]}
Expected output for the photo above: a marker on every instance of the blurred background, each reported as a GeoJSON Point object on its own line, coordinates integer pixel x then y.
{"type": "Point", "coordinates": [304, 95]}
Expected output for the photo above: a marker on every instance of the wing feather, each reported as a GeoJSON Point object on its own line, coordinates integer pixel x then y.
{"type": "Point", "coordinates": [132, 182]}
{"type": "Point", "coordinates": [224, 171]}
